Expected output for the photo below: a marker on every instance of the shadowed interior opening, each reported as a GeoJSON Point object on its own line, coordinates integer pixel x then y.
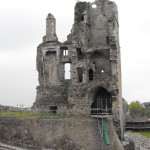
{"type": "Point", "coordinates": [102, 102]}
{"type": "Point", "coordinates": [53, 109]}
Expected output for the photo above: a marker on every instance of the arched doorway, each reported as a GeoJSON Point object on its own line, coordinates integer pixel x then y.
{"type": "Point", "coordinates": [102, 102]}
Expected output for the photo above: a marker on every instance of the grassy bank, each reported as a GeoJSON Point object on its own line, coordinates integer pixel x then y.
{"type": "Point", "coordinates": [26, 114]}
{"type": "Point", "coordinates": [146, 134]}
{"type": "Point", "coordinates": [42, 115]}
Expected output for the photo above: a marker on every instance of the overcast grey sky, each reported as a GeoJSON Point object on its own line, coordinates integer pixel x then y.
{"type": "Point", "coordinates": [22, 26]}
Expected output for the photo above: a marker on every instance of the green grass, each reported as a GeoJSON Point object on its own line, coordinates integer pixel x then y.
{"type": "Point", "coordinates": [42, 115]}
{"type": "Point", "coordinates": [146, 134]}
{"type": "Point", "coordinates": [23, 114]}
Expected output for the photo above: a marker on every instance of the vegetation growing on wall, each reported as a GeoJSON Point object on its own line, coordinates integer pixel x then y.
{"type": "Point", "coordinates": [25, 114]}
{"type": "Point", "coordinates": [41, 115]}
{"type": "Point", "coordinates": [80, 8]}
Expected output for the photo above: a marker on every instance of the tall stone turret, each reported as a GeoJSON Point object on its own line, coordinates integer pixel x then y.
{"type": "Point", "coordinates": [51, 28]}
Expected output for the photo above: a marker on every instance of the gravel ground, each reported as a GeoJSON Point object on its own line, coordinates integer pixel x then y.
{"type": "Point", "coordinates": [139, 140]}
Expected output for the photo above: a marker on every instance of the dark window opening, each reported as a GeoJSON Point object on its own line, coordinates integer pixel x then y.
{"type": "Point", "coordinates": [79, 53]}
{"type": "Point", "coordinates": [51, 53]}
{"type": "Point", "coordinates": [53, 109]}
{"type": "Point", "coordinates": [80, 74]}
{"type": "Point", "coordinates": [107, 40]}
{"type": "Point", "coordinates": [82, 18]}
{"type": "Point", "coordinates": [90, 74]}
{"type": "Point", "coordinates": [102, 102]}
{"type": "Point", "coordinates": [93, 65]}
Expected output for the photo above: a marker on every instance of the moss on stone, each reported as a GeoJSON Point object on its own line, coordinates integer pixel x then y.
{"type": "Point", "coordinates": [79, 10]}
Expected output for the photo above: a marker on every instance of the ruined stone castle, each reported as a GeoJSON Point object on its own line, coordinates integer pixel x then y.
{"type": "Point", "coordinates": [82, 76]}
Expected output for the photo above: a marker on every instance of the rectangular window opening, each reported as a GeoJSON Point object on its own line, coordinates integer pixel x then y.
{"type": "Point", "coordinates": [79, 53]}
{"type": "Point", "coordinates": [80, 75]}
{"type": "Point", "coordinates": [67, 71]}
{"type": "Point", "coordinates": [107, 40]}
{"type": "Point", "coordinates": [65, 52]}
{"type": "Point", "coordinates": [53, 109]}
{"type": "Point", "coordinates": [90, 74]}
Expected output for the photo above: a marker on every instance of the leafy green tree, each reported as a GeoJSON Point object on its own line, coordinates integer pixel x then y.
{"type": "Point", "coordinates": [135, 108]}
{"type": "Point", "coordinates": [146, 112]}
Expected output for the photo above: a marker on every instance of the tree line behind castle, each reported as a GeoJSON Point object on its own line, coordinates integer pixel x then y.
{"type": "Point", "coordinates": [137, 109]}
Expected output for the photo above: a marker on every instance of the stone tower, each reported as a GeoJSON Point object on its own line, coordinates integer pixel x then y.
{"type": "Point", "coordinates": [91, 57]}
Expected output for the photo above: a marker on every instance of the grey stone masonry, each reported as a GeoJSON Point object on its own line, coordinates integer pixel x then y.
{"type": "Point", "coordinates": [82, 76]}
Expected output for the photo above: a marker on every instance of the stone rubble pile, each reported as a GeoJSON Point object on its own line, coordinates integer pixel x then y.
{"type": "Point", "coordinates": [139, 140]}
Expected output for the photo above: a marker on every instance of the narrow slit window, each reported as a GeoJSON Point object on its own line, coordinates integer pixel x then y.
{"type": "Point", "coordinates": [80, 75]}
{"type": "Point", "coordinates": [82, 18]}
{"type": "Point", "coordinates": [65, 52]}
{"type": "Point", "coordinates": [67, 71]}
{"type": "Point", "coordinates": [90, 74]}
{"type": "Point", "coordinates": [79, 53]}
{"type": "Point", "coordinates": [107, 40]}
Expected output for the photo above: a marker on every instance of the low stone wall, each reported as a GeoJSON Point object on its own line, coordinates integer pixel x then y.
{"type": "Point", "coordinates": [14, 109]}
{"type": "Point", "coordinates": [64, 133]}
